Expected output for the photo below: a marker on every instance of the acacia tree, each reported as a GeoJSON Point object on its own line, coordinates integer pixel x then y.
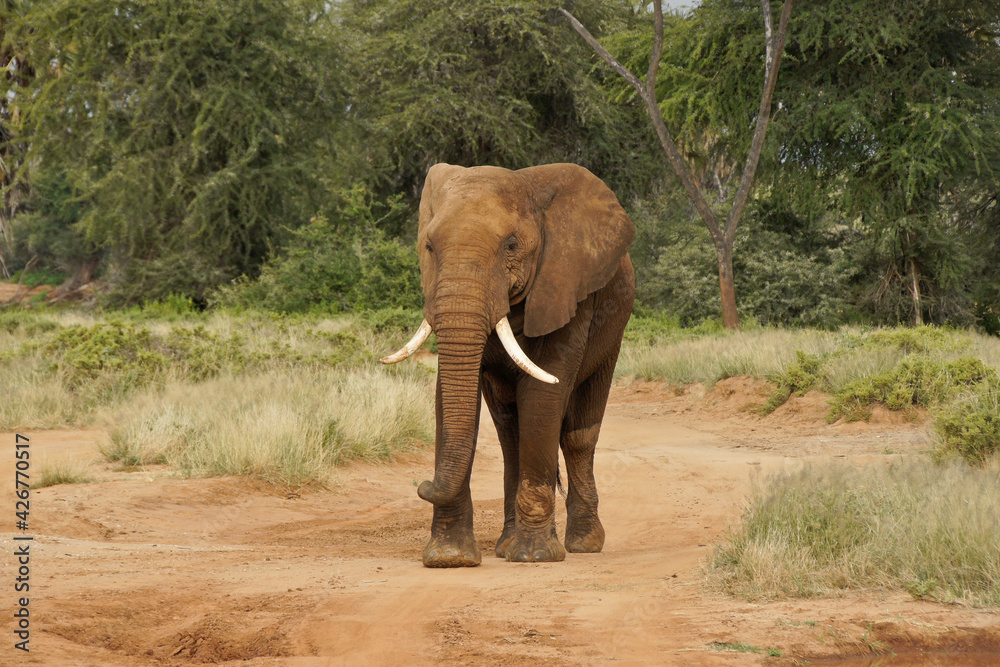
{"type": "Point", "coordinates": [484, 83]}
{"type": "Point", "coordinates": [17, 71]}
{"type": "Point", "coordinates": [187, 133]}
{"type": "Point", "coordinates": [723, 236]}
{"type": "Point", "coordinates": [893, 108]}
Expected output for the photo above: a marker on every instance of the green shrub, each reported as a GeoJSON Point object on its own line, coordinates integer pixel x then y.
{"type": "Point", "coordinates": [113, 357]}
{"type": "Point", "coordinates": [16, 320]}
{"type": "Point", "coordinates": [340, 261]}
{"type": "Point", "coordinates": [798, 377]}
{"type": "Point", "coordinates": [917, 381]}
{"type": "Point", "coordinates": [921, 339]}
{"type": "Point", "coordinates": [970, 426]}
{"type": "Point", "coordinates": [393, 320]}
{"type": "Point", "coordinates": [648, 327]}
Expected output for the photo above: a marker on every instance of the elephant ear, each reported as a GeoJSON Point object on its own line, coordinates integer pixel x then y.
{"type": "Point", "coordinates": [585, 234]}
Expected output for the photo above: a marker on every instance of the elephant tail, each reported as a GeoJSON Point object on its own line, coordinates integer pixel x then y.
{"type": "Point", "coordinates": [559, 484]}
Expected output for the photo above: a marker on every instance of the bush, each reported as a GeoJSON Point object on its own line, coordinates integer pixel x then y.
{"type": "Point", "coordinates": [917, 381]}
{"type": "Point", "coordinates": [335, 264]}
{"type": "Point", "coordinates": [970, 426]}
{"type": "Point", "coordinates": [55, 370]}
{"type": "Point", "coordinates": [786, 271]}
{"type": "Point", "coordinates": [911, 339]}
{"type": "Point", "coordinates": [798, 377]}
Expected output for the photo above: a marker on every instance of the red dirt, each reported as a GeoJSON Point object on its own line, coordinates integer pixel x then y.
{"type": "Point", "coordinates": [148, 568]}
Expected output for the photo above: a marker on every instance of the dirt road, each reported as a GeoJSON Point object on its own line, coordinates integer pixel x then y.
{"type": "Point", "coordinates": [148, 568]}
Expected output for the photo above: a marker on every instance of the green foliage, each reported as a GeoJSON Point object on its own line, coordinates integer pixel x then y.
{"type": "Point", "coordinates": [346, 263]}
{"type": "Point", "coordinates": [108, 361]}
{"type": "Point", "coordinates": [798, 377]}
{"type": "Point", "coordinates": [116, 357]}
{"type": "Point", "coordinates": [904, 120]}
{"type": "Point", "coordinates": [60, 368]}
{"type": "Point", "coordinates": [502, 83]}
{"type": "Point", "coordinates": [883, 145]}
{"type": "Point", "coordinates": [647, 326]}
{"type": "Point", "coordinates": [911, 339]}
{"type": "Point", "coordinates": [740, 647]}
{"type": "Point", "coordinates": [917, 381]}
{"type": "Point", "coordinates": [186, 133]}
{"type": "Point", "coordinates": [788, 270]}
{"type": "Point", "coordinates": [46, 229]}
{"type": "Point", "coordinates": [171, 308]}
{"type": "Point", "coordinates": [970, 426]}
{"type": "Point", "coordinates": [393, 320]}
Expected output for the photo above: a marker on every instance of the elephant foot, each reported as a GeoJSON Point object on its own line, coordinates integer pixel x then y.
{"type": "Point", "coordinates": [504, 542]}
{"type": "Point", "coordinates": [446, 552]}
{"type": "Point", "coordinates": [584, 542]}
{"type": "Point", "coordinates": [533, 548]}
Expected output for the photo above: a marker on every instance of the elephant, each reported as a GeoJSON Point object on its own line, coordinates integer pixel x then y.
{"type": "Point", "coordinates": [520, 270]}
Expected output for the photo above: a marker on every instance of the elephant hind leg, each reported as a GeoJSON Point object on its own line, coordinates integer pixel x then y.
{"type": "Point", "coordinates": [580, 430]}
{"type": "Point", "coordinates": [502, 403]}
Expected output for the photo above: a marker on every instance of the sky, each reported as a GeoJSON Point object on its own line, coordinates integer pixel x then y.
{"type": "Point", "coordinates": [679, 4]}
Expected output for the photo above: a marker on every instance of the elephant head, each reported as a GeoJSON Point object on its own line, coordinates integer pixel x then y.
{"type": "Point", "coordinates": [490, 238]}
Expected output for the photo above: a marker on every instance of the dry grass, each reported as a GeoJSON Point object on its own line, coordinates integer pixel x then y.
{"type": "Point", "coordinates": [61, 472]}
{"type": "Point", "coordinates": [933, 530]}
{"type": "Point", "coordinates": [34, 398]}
{"type": "Point", "coordinates": [289, 429]}
{"type": "Point", "coordinates": [760, 353]}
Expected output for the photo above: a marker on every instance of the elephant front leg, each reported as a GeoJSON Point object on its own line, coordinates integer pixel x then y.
{"type": "Point", "coordinates": [534, 536]}
{"type": "Point", "coordinates": [584, 531]}
{"type": "Point", "coordinates": [534, 539]}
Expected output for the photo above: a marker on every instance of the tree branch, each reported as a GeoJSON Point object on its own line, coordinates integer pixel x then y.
{"type": "Point", "coordinates": [603, 53]}
{"type": "Point", "coordinates": [27, 267]}
{"type": "Point", "coordinates": [648, 95]}
{"type": "Point", "coordinates": [772, 61]}
{"type": "Point", "coordinates": [654, 60]}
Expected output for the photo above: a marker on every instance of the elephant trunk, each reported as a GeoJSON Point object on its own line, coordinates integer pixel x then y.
{"type": "Point", "coordinates": [461, 340]}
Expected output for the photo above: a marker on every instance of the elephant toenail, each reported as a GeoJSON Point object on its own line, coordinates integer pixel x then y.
{"type": "Point", "coordinates": [541, 555]}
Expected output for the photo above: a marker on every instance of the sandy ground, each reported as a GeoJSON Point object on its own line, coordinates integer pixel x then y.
{"type": "Point", "coordinates": [148, 568]}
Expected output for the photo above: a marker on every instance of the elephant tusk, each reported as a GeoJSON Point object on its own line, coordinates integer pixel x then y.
{"type": "Point", "coordinates": [518, 355]}
{"type": "Point", "coordinates": [418, 339]}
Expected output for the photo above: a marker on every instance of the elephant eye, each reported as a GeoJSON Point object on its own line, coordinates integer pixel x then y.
{"type": "Point", "coordinates": [429, 248]}
{"type": "Point", "coordinates": [512, 243]}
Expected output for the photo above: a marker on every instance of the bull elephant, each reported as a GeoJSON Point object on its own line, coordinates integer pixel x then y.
{"type": "Point", "coordinates": [520, 268]}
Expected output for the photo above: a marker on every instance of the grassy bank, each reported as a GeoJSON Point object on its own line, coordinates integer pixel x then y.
{"type": "Point", "coordinates": [953, 373]}
{"type": "Point", "coordinates": [281, 398]}
{"type": "Point", "coordinates": [930, 529]}
{"type": "Point", "coordinates": [927, 525]}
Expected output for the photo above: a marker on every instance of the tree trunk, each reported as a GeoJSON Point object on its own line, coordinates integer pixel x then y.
{"type": "Point", "coordinates": [727, 289]}
{"type": "Point", "coordinates": [918, 307]}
